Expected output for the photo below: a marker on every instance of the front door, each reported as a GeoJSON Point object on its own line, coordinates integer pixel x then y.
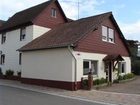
{"type": "Point", "coordinates": [108, 67]}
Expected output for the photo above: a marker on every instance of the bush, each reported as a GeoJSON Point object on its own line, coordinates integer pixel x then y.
{"type": "Point", "coordinates": [9, 73]}
{"type": "Point", "coordinates": [126, 76]}
{"type": "Point", "coordinates": [85, 83]}
{"type": "Point", "coordinates": [1, 73]}
{"type": "Point", "coordinates": [99, 81]}
{"type": "Point", "coordinates": [19, 73]}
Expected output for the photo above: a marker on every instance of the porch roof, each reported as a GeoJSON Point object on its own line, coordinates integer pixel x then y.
{"type": "Point", "coordinates": [113, 58]}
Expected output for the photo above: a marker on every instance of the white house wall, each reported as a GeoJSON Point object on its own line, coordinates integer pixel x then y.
{"type": "Point", "coordinates": [13, 43]}
{"type": "Point", "coordinates": [81, 56]}
{"type": "Point", "coordinates": [53, 64]}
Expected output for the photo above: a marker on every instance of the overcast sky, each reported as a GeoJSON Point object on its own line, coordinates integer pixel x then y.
{"type": "Point", "coordinates": [126, 12]}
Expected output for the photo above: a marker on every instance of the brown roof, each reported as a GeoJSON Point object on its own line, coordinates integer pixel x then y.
{"type": "Point", "coordinates": [113, 58]}
{"type": "Point", "coordinates": [24, 17]}
{"type": "Point", "coordinates": [67, 34]}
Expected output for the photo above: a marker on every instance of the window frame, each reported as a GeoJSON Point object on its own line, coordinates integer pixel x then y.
{"type": "Point", "coordinates": [2, 59]}
{"type": "Point", "coordinates": [108, 36]}
{"type": "Point", "coordinates": [53, 12]}
{"type": "Point", "coordinates": [90, 66]}
{"type": "Point", "coordinates": [20, 58]}
{"type": "Point", "coordinates": [22, 33]}
{"type": "Point", "coordinates": [3, 38]}
{"type": "Point", "coordinates": [120, 67]}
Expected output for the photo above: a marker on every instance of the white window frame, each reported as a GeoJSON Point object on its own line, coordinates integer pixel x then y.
{"type": "Point", "coordinates": [3, 38]}
{"type": "Point", "coordinates": [120, 67]}
{"type": "Point", "coordinates": [90, 67]}
{"type": "Point", "coordinates": [53, 12]}
{"type": "Point", "coordinates": [108, 34]}
{"type": "Point", "coordinates": [22, 33]}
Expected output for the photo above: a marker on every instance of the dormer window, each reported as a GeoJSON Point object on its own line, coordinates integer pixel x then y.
{"type": "Point", "coordinates": [53, 12]}
{"type": "Point", "coordinates": [3, 38]}
{"type": "Point", "coordinates": [22, 33]}
{"type": "Point", "coordinates": [107, 34]}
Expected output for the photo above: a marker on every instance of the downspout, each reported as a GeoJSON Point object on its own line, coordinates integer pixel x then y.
{"type": "Point", "coordinates": [75, 68]}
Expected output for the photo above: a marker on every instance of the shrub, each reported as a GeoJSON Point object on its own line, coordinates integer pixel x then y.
{"type": "Point", "coordinates": [99, 81]}
{"type": "Point", "coordinates": [19, 73]}
{"type": "Point", "coordinates": [120, 78]}
{"type": "Point", "coordinates": [9, 73]}
{"type": "Point", "coordinates": [85, 83]}
{"type": "Point", "coordinates": [1, 73]}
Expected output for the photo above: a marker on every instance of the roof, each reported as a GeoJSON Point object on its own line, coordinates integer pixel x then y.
{"type": "Point", "coordinates": [113, 58]}
{"type": "Point", "coordinates": [67, 34]}
{"type": "Point", "coordinates": [25, 17]}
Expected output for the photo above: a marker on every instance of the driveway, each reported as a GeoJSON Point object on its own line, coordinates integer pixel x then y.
{"type": "Point", "coordinates": [131, 87]}
{"type": "Point", "coordinates": [15, 96]}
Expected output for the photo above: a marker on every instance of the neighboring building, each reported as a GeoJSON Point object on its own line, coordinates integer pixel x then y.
{"type": "Point", "coordinates": [25, 26]}
{"type": "Point", "coordinates": [56, 51]}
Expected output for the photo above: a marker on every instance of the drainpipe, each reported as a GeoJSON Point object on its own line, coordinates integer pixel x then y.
{"type": "Point", "coordinates": [75, 71]}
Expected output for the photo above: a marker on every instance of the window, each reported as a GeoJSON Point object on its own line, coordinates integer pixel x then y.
{"type": "Point", "coordinates": [22, 33]}
{"type": "Point", "coordinates": [20, 55]}
{"type": "Point", "coordinates": [89, 65]}
{"type": "Point", "coordinates": [107, 34]}
{"type": "Point", "coordinates": [3, 38]}
{"type": "Point", "coordinates": [122, 67]}
{"type": "Point", "coordinates": [2, 59]}
{"type": "Point", "coordinates": [53, 12]}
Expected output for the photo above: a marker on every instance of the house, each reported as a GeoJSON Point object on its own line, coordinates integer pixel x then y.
{"type": "Point", "coordinates": [56, 51]}
{"type": "Point", "coordinates": [25, 26]}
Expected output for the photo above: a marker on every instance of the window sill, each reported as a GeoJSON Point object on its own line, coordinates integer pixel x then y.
{"type": "Point", "coordinates": [108, 42]}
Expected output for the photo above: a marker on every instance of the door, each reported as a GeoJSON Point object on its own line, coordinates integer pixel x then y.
{"type": "Point", "coordinates": [108, 69]}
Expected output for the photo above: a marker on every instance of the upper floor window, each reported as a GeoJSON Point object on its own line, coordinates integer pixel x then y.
{"type": "Point", "coordinates": [2, 59]}
{"type": "Point", "coordinates": [89, 65]}
{"type": "Point", "coordinates": [53, 12]}
{"type": "Point", "coordinates": [3, 38]}
{"type": "Point", "coordinates": [22, 33]}
{"type": "Point", "coordinates": [107, 34]}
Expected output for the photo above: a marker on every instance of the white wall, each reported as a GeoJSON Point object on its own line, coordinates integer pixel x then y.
{"type": "Point", "coordinates": [13, 43]}
{"type": "Point", "coordinates": [80, 56]}
{"type": "Point", "coordinates": [52, 64]}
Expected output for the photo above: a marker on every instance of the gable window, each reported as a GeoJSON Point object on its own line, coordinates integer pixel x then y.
{"type": "Point", "coordinates": [107, 34]}
{"type": "Point", "coordinates": [22, 33]}
{"type": "Point", "coordinates": [122, 67]}
{"type": "Point", "coordinates": [2, 59]}
{"type": "Point", "coordinates": [3, 38]}
{"type": "Point", "coordinates": [20, 55]}
{"type": "Point", "coordinates": [89, 65]}
{"type": "Point", "coordinates": [53, 12]}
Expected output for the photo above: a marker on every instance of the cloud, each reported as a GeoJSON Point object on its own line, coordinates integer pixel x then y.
{"type": "Point", "coordinates": [131, 30]}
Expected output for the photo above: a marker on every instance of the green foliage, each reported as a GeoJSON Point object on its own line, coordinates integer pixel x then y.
{"type": "Point", "coordinates": [19, 73]}
{"type": "Point", "coordinates": [9, 72]}
{"type": "Point", "coordinates": [99, 81]}
{"type": "Point", "coordinates": [126, 76]}
{"type": "Point", "coordinates": [1, 73]}
{"type": "Point", "coordinates": [85, 83]}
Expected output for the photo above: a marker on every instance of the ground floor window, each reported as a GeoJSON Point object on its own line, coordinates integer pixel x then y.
{"type": "Point", "coordinates": [2, 59]}
{"type": "Point", "coordinates": [122, 67]}
{"type": "Point", "coordinates": [89, 65]}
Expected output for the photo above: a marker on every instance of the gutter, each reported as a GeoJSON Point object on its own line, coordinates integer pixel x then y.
{"type": "Point", "coordinates": [75, 71]}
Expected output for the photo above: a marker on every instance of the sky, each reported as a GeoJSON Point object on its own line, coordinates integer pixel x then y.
{"type": "Point", "coordinates": [126, 12]}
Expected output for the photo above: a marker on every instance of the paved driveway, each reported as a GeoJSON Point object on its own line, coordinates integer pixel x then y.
{"type": "Point", "coordinates": [14, 96]}
{"type": "Point", "coordinates": [131, 87]}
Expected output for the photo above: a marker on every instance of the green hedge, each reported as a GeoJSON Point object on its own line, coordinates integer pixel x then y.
{"type": "Point", "coordinates": [9, 73]}
{"type": "Point", "coordinates": [99, 81]}
{"type": "Point", "coordinates": [125, 77]}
